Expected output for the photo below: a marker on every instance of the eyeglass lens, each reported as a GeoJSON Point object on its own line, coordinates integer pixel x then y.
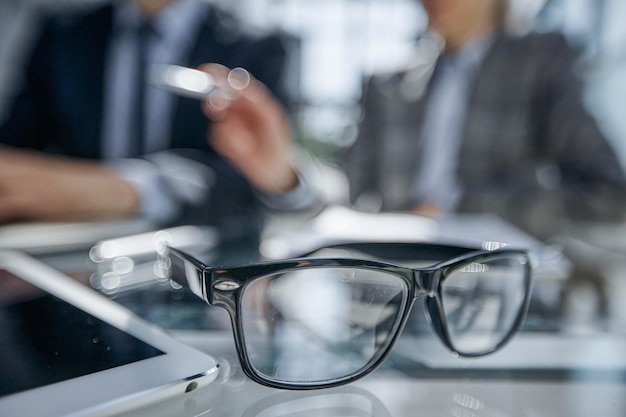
{"type": "Point", "coordinates": [321, 324]}
{"type": "Point", "coordinates": [482, 300]}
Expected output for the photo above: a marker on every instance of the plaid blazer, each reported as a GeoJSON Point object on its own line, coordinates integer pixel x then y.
{"type": "Point", "coordinates": [531, 153]}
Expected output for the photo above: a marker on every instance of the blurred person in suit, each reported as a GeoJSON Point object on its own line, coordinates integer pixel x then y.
{"type": "Point", "coordinates": [74, 152]}
{"type": "Point", "coordinates": [484, 119]}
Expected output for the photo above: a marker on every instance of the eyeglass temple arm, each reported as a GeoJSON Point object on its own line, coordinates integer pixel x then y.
{"type": "Point", "coordinates": [401, 250]}
{"type": "Point", "coordinates": [187, 271]}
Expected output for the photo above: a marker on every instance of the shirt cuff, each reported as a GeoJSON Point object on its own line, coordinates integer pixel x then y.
{"type": "Point", "coordinates": [156, 203]}
{"type": "Point", "coordinates": [302, 197]}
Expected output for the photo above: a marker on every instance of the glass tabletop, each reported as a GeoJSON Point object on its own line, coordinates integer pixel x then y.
{"type": "Point", "coordinates": [569, 358]}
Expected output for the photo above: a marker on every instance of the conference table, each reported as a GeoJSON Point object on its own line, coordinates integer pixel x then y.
{"type": "Point", "coordinates": [569, 359]}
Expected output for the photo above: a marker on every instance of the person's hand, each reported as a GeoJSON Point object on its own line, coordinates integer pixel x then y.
{"type": "Point", "coordinates": [250, 129]}
{"type": "Point", "coordinates": [39, 187]}
{"type": "Point", "coordinates": [429, 210]}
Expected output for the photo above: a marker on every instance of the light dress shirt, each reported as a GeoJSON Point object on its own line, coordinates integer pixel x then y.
{"type": "Point", "coordinates": [175, 29]}
{"type": "Point", "coordinates": [442, 132]}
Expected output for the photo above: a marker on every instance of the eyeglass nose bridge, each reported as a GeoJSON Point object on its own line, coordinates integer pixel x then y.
{"type": "Point", "coordinates": [426, 281]}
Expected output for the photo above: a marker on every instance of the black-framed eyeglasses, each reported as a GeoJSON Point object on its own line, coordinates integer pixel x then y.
{"type": "Point", "coordinates": [333, 316]}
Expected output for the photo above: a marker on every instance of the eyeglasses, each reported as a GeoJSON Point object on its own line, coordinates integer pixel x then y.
{"type": "Point", "coordinates": [333, 316]}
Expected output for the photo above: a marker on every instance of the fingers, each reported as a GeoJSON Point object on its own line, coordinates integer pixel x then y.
{"type": "Point", "coordinates": [237, 89]}
{"type": "Point", "coordinates": [246, 115]}
{"type": "Point", "coordinates": [250, 129]}
{"type": "Point", "coordinates": [229, 83]}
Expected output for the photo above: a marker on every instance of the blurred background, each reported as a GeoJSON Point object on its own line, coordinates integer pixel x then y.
{"type": "Point", "coordinates": [342, 41]}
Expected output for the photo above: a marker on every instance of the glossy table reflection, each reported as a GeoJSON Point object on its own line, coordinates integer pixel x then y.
{"type": "Point", "coordinates": [565, 362]}
{"type": "Point", "coordinates": [556, 366]}
{"type": "Point", "coordinates": [403, 387]}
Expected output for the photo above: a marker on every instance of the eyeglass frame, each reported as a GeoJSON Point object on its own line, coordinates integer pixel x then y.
{"type": "Point", "coordinates": [223, 287]}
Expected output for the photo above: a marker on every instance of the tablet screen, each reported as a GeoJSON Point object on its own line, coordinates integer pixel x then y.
{"type": "Point", "coordinates": [46, 340]}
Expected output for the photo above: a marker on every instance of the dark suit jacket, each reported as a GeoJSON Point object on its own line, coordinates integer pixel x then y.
{"type": "Point", "coordinates": [531, 153]}
{"type": "Point", "coordinates": [61, 105]}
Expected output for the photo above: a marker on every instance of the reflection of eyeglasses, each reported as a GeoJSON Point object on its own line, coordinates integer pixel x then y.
{"type": "Point", "coordinates": [315, 322]}
{"type": "Point", "coordinates": [344, 401]}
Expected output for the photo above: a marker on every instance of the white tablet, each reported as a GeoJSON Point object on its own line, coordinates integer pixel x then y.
{"type": "Point", "coordinates": [66, 350]}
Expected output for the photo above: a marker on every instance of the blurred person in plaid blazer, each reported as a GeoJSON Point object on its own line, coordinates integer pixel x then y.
{"type": "Point", "coordinates": [484, 119]}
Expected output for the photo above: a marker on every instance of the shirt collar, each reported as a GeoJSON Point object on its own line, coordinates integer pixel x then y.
{"type": "Point", "coordinates": [173, 21]}
{"type": "Point", "coordinates": [178, 19]}
{"type": "Point", "coordinates": [471, 55]}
